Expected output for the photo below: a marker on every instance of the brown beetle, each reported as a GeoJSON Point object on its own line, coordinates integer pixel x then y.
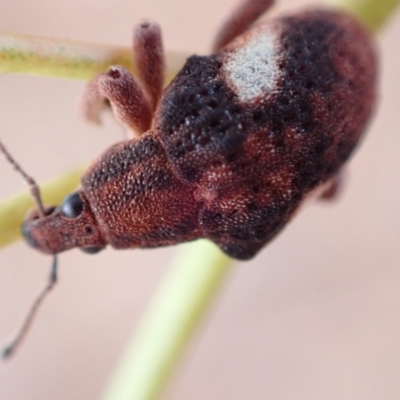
{"type": "Point", "coordinates": [232, 147]}
{"type": "Point", "coordinates": [237, 140]}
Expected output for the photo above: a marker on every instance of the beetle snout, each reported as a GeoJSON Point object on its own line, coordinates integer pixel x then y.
{"type": "Point", "coordinates": [62, 228]}
{"type": "Point", "coordinates": [26, 228]}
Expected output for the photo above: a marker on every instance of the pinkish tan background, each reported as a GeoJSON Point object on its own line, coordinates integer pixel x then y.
{"type": "Point", "coordinates": [315, 316]}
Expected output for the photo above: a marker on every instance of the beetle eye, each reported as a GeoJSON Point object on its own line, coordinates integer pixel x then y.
{"type": "Point", "coordinates": [72, 206]}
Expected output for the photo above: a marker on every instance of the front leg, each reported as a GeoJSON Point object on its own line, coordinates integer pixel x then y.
{"type": "Point", "coordinates": [133, 103]}
{"type": "Point", "coordinates": [126, 97]}
{"type": "Point", "coordinates": [149, 59]}
{"type": "Point", "coordinates": [245, 13]}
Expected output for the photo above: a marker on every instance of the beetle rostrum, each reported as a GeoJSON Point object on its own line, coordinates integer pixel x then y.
{"type": "Point", "coordinates": [232, 147]}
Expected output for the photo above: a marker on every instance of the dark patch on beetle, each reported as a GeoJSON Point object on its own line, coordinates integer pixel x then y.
{"type": "Point", "coordinates": [141, 167]}
{"type": "Point", "coordinates": [199, 119]}
{"type": "Point", "coordinates": [120, 159]}
{"type": "Point", "coordinates": [315, 80]}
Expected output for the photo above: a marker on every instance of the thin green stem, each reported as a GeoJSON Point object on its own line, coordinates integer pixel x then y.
{"type": "Point", "coordinates": [374, 13]}
{"type": "Point", "coordinates": [174, 315]}
{"type": "Point", "coordinates": [62, 58]}
{"type": "Point", "coordinates": [58, 58]}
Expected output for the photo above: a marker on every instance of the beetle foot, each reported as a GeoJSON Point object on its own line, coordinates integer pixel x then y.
{"type": "Point", "coordinates": [333, 188]}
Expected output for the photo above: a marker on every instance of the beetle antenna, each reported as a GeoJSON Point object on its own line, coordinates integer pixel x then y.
{"type": "Point", "coordinates": [9, 350]}
{"type": "Point", "coordinates": [33, 186]}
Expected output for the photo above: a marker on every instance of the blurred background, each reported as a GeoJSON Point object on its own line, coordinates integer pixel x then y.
{"type": "Point", "coordinates": [316, 315]}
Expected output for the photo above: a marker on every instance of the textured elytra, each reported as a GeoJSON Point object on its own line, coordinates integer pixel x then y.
{"type": "Point", "coordinates": [261, 159]}
{"type": "Point", "coordinates": [223, 160]}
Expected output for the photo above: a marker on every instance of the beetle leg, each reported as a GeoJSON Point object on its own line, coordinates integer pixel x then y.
{"type": "Point", "coordinates": [92, 102]}
{"type": "Point", "coordinates": [240, 250]}
{"type": "Point", "coordinates": [149, 60]}
{"type": "Point", "coordinates": [125, 95]}
{"type": "Point", "coordinates": [245, 13]}
{"type": "Point", "coordinates": [333, 188]}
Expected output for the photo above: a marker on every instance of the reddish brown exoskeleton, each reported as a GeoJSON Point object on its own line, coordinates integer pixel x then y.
{"type": "Point", "coordinates": [232, 147]}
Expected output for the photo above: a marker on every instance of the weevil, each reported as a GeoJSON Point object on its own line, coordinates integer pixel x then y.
{"type": "Point", "coordinates": [231, 148]}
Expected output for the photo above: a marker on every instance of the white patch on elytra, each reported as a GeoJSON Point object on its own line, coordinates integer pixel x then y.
{"type": "Point", "coordinates": [252, 69]}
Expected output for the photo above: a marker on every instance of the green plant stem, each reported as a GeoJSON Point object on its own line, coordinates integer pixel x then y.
{"type": "Point", "coordinates": [62, 58]}
{"type": "Point", "coordinates": [374, 13]}
{"type": "Point", "coordinates": [181, 302]}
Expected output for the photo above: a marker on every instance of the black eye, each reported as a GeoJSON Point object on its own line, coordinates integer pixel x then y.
{"type": "Point", "coordinates": [72, 206]}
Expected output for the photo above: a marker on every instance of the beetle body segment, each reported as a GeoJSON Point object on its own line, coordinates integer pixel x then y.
{"type": "Point", "coordinates": [261, 152]}
{"type": "Point", "coordinates": [137, 199]}
{"type": "Point", "coordinates": [238, 140]}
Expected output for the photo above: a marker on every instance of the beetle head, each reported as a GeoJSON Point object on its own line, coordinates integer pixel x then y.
{"type": "Point", "coordinates": [61, 228]}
